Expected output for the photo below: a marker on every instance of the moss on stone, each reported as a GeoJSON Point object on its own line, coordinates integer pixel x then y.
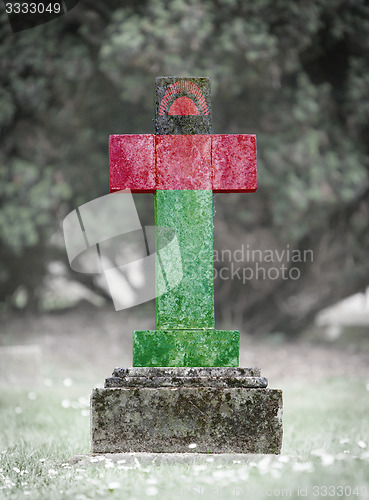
{"type": "Point", "coordinates": [168, 420]}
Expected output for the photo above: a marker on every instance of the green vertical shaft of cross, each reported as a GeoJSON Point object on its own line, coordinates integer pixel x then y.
{"type": "Point", "coordinates": [185, 332]}
{"type": "Point", "coordinates": [190, 305]}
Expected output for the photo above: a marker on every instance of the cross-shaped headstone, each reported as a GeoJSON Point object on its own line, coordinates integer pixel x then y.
{"type": "Point", "coordinates": [183, 164]}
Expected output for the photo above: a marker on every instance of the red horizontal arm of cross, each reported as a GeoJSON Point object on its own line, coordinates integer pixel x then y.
{"type": "Point", "coordinates": [144, 163]}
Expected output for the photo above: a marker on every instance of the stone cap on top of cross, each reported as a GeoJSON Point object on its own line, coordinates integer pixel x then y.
{"type": "Point", "coordinates": [182, 105]}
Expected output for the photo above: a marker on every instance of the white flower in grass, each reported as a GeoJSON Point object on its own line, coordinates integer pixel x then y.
{"type": "Point", "coordinates": [303, 467]}
{"type": "Point", "coordinates": [344, 440]}
{"type": "Point", "coordinates": [85, 413]}
{"type": "Point", "coordinates": [109, 465]}
{"type": "Point", "coordinates": [327, 460]}
{"type": "Point", "coordinates": [199, 467]}
{"type": "Point", "coordinates": [275, 473]}
{"type": "Point", "coordinates": [15, 469]}
{"type": "Point", "coordinates": [84, 402]}
{"type": "Point", "coordinates": [210, 459]}
{"type": "Point", "coordinates": [152, 491]}
{"type": "Point", "coordinates": [277, 465]}
{"type": "Point", "coordinates": [152, 480]}
{"type": "Point", "coordinates": [206, 479]}
{"type": "Point", "coordinates": [318, 453]}
{"type": "Point", "coordinates": [264, 464]}
{"type": "Point", "coordinates": [124, 467]}
{"type": "Point", "coordinates": [361, 444]}
{"type": "Point", "coordinates": [8, 482]}
{"type": "Point", "coordinates": [341, 456]}
{"type": "Point", "coordinates": [18, 410]}
{"type": "Point", "coordinates": [67, 382]}
{"type": "Point", "coordinates": [225, 475]}
{"type": "Point", "coordinates": [42, 460]}
{"type": "Point", "coordinates": [94, 459]}
{"type": "Point", "coordinates": [26, 492]}
{"type": "Point", "coordinates": [243, 474]}
{"type": "Point", "coordinates": [219, 474]}
{"type": "Point", "coordinates": [123, 461]}
{"type": "Point", "coordinates": [65, 403]}
{"type": "Point", "coordinates": [114, 485]}
{"type": "Point", "coordinates": [192, 446]}
{"type": "Point", "coordinates": [52, 472]}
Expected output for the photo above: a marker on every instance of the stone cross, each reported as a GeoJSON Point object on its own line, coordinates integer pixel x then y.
{"type": "Point", "coordinates": [183, 164]}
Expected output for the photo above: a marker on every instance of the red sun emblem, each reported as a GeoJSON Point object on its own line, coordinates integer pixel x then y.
{"type": "Point", "coordinates": [183, 98]}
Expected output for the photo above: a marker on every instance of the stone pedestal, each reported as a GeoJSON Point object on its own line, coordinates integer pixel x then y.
{"type": "Point", "coordinates": [165, 410]}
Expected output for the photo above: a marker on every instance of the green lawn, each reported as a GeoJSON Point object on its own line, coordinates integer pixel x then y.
{"type": "Point", "coordinates": [325, 451]}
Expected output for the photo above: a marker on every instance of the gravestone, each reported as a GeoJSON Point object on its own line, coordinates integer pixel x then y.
{"type": "Point", "coordinates": [185, 390]}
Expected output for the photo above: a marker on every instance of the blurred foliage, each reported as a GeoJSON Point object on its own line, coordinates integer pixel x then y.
{"type": "Point", "coordinates": [39, 195]}
{"type": "Point", "coordinates": [294, 73]}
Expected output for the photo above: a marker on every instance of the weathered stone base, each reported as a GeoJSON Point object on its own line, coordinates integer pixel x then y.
{"type": "Point", "coordinates": [215, 416]}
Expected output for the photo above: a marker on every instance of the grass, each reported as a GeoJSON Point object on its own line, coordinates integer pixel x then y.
{"type": "Point", "coordinates": [325, 451]}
